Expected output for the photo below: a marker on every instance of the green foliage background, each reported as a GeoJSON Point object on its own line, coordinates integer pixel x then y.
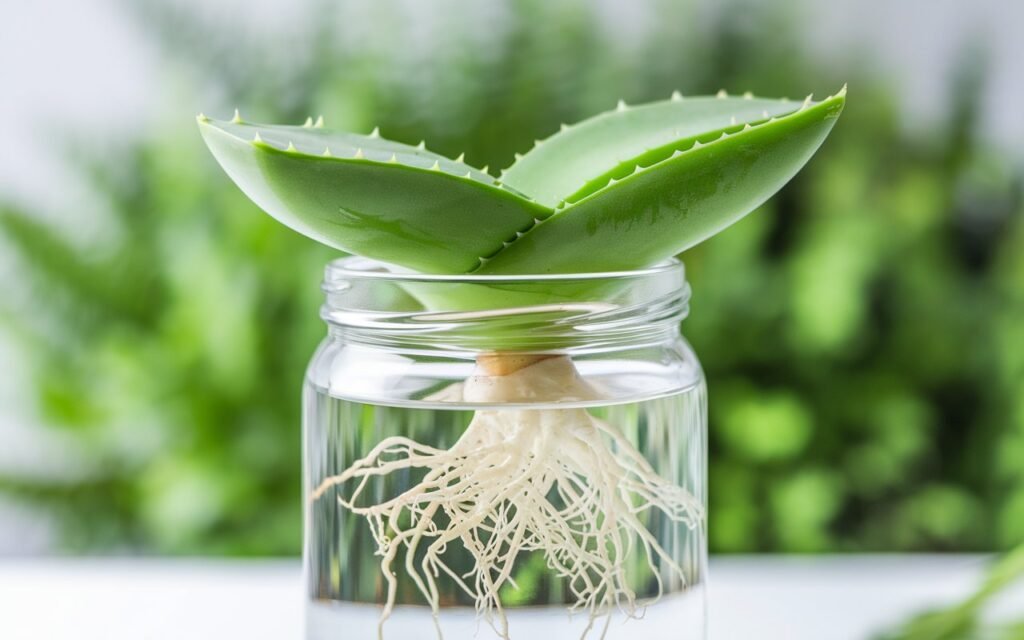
{"type": "Point", "coordinates": [863, 334]}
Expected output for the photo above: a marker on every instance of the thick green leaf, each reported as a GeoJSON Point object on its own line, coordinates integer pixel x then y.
{"type": "Point", "coordinates": [370, 196]}
{"type": "Point", "coordinates": [576, 158]}
{"type": "Point", "coordinates": [622, 190]}
{"type": "Point", "coordinates": [673, 196]}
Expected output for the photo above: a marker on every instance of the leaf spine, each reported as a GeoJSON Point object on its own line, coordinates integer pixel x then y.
{"type": "Point", "coordinates": [393, 159]}
{"type": "Point", "coordinates": [676, 96]}
{"type": "Point", "coordinates": [319, 124]}
{"type": "Point", "coordinates": [732, 120]}
{"type": "Point", "coordinates": [327, 152]}
{"type": "Point", "coordinates": [237, 119]}
{"type": "Point", "coordinates": [461, 157]}
{"type": "Point", "coordinates": [621, 105]}
{"type": "Point", "coordinates": [309, 122]}
{"type": "Point", "coordinates": [202, 117]}
{"type": "Point", "coordinates": [422, 146]}
{"type": "Point", "coordinates": [807, 101]}
{"type": "Point", "coordinates": [563, 127]}
{"type": "Point", "coordinates": [375, 133]}
{"type": "Point", "coordinates": [359, 154]}
{"type": "Point", "coordinates": [291, 147]}
{"type": "Point", "coordinates": [747, 95]}
{"type": "Point", "coordinates": [722, 93]}
{"type": "Point", "coordinates": [256, 139]}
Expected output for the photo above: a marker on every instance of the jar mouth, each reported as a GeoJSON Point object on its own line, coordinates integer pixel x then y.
{"type": "Point", "coordinates": [373, 303]}
{"type": "Point", "coordinates": [357, 267]}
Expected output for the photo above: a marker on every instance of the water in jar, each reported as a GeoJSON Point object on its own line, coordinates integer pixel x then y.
{"type": "Point", "coordinates": [531, 536]}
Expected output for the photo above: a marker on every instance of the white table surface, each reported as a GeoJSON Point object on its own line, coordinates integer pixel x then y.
{"type": "Point", "coordinates": [792, 598]}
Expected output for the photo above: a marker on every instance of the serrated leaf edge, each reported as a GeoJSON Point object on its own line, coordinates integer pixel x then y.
{"type": "Point", "coordinates": [694, 143]}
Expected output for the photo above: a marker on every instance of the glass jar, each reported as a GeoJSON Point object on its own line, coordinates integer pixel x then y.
{"type": "Point", "coordinates": [504, 457]}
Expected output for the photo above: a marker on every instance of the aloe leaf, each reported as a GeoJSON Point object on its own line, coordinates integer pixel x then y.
{"type": "Point", "coordinates": [370, 196]}
{"type": "Point", "coordinates": [623, 190]}
{"type": "Point", "coordinates": [664, 199]}
{"type": "Point", "coordinates": [578, 157]}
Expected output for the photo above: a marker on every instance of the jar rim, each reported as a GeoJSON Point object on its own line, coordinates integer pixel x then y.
{"type": "Point", "coordinates": [374, 303]}
{"type": "Point", "coordinates": [358, 267]}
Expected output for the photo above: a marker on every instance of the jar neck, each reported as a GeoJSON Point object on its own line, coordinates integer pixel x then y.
{"type": "Point", "coordinates": [463, 316]}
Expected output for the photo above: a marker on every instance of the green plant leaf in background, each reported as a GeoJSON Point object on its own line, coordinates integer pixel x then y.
{"type": "Point", "coordinates": [964, 620]}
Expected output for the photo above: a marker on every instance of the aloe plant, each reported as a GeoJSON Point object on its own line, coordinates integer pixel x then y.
{"type": "Point", "coordinates": [621, 190]}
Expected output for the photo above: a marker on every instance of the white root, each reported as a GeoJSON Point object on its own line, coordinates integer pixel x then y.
{"type": "Point", "coordinates": [557, 481]}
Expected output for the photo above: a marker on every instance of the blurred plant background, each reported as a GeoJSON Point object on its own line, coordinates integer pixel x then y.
{"type": "Point", "coordinates": [863, 334]}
